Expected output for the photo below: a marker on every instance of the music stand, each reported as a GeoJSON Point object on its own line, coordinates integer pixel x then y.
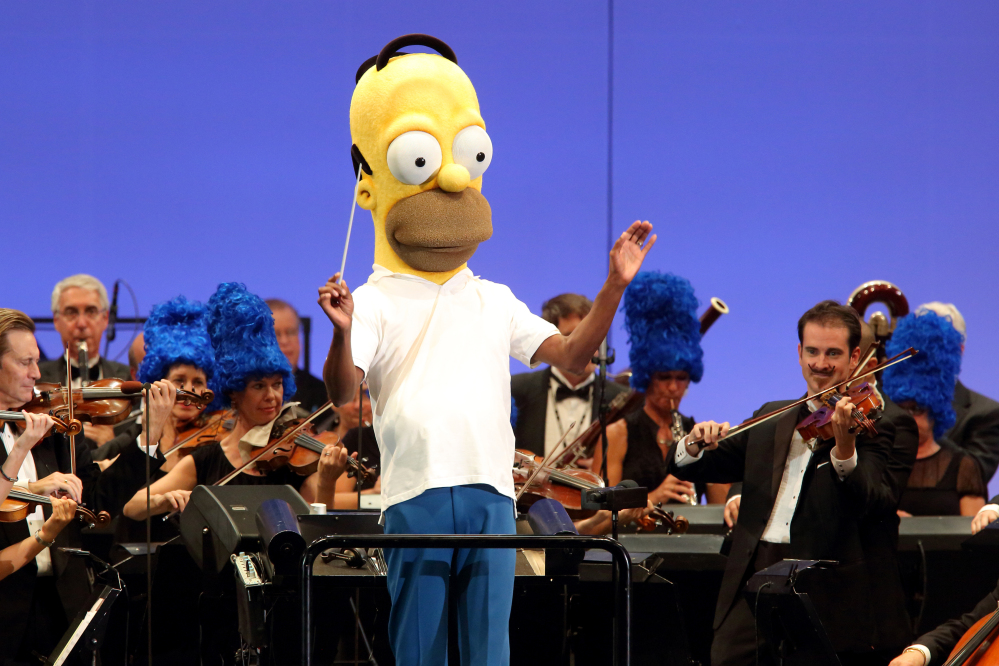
{"type": "Point", "coordinates": [786, 619]}
{"type": "Point", "coordinates": [87, 630]}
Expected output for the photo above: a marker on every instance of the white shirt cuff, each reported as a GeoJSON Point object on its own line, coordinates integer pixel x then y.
{"type": "Point", "coordinates": [733, 497]}
{"type": "Point", "coordinates": [682, 457]}
{"type": "Point", "coordinates": [843, 467]}
{"type": "Point", "coordinates": [989, 507]}
{"type": "Point", "coordinates": [925, 651]}
{"type": "Point", "coordinates": [151, 451]}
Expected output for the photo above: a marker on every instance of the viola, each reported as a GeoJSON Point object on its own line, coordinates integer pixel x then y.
{"type": "Point", "coordinates": [583, 446]}
{"type": "Point", "coordinates": [20, 503]}
{"type": "Point", "coordinates": [103, 402]}
{"type": "Point", "coordinates": [68, 427]}
{"type": "Point", "coordinates": [867, 409]}
{"type": "Point", "coordinates": [978, 646]}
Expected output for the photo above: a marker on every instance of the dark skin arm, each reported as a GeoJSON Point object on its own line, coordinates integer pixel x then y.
{"type": "Point", "coordinates": [573, 352]}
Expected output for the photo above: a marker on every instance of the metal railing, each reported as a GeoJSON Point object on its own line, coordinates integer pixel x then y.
{"type": "Point", "coordinates": [621, 627]}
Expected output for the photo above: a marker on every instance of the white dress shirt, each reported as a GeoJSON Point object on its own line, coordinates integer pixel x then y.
{"type": "Point", "coordinates": [566, 411]}
{"type": "Point", "coordinates": [436, 358]}
{"type": "Point", "coordinates": [28, 472]}
{"type": "Point", "coordinates": [778, 529]}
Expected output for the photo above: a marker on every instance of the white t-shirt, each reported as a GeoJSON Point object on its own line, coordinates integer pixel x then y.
{"type": "Point", "coordinates": [436, 359]}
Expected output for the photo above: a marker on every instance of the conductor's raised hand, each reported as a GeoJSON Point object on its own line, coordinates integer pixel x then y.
{"type": "Point", "coordinates": [627, 255]}
{"type": "Point", "coordinates": [337, 303]}
{"type": "Point", "coordinates": [708, 433]}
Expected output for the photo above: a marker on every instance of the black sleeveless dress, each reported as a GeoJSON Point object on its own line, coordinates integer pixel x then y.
{"type": "Point", "coordinates": [644, 463]}
{"type": "Point", "coordinates": [212, 466]}
{"type": "Point", "coordinates": [938, 482]}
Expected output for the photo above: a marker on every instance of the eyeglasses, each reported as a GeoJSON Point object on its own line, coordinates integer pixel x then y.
{"type": "Point", "coordinates": [72, 314]}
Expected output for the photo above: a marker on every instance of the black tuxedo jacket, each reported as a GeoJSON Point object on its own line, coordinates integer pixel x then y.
{"type": "Point", "coordinates": [852, 521]}
{"type": "Point", "coordinates": [72, 577]}
{"type": "Point", "coordinates": [977, 428]}
{"type": "Point", "coordinates": [54, 371]}
{"type": "Point", "coordinates": [530, 394]}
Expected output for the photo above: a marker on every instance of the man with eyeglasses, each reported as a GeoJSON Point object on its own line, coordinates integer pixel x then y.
{"type": "Point", "coordinates": [80, 311]}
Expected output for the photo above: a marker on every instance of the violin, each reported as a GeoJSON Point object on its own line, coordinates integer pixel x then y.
{"type": "Point", "coordinates": [978, 646]}
{"type": "Point", "coordinates": [20, 503]}
{"type": "Point", "coordinates": [301, 452]}
{"type": "Point", "coordinates": [867, 409]}
{"type": "Point", "coordinates": [534, 480]}
{"type": "Point", "coordinates": [103, 402]}
{"type": "Point", "coordinates": [294, 443]}
{"type": "Point", "coordinates": [67, 427]}
{"type": "Point", "coordinates": [207, 428]}
{"type": "Point", "coordinates": [659, 517]}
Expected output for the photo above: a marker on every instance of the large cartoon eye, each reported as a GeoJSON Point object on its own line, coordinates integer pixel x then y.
{"type": "Point", "coordinates": [473, 149]}
{"type": "Point", "coordinates": [414, 157]}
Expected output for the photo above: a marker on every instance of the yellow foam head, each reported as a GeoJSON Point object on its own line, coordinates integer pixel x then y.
{"type": "Point", "coordinates": [416, 125]}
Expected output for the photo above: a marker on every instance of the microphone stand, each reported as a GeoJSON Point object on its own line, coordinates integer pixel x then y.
{"type": "Point", "coordinates": [604, 356]}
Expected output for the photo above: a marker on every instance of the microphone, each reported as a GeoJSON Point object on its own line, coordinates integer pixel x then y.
{"type": "Point", "coordinates": [112, 317]}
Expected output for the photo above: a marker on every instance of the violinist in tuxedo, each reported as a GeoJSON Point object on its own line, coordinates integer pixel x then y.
{"type": "Point", "coordinates": [549, 400]}
{"type": "Point", "coordinates": [80, 314]}
{"type": "Point", "coordinates": [38, 598]}
{"type": "Point", "coordinates": [825, 500]}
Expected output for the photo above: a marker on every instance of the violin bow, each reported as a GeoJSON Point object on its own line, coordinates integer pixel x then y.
{"type": "Point", "coordinates": [544, 463]}
{"type": "Point", "coordinates": [350, 223]}
{"type": "Point", "coordinates": [751, 423]}
{"type": "Point", "coordinates": [69, 418]}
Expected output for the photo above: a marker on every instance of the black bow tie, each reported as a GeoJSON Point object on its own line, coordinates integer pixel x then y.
{"type": "Point", "coordinates": [563, 392]}
{"type": "Point", "coordinates": [94, 374]}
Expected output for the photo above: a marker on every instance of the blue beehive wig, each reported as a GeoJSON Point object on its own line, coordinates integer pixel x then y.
{"type": "Point", "coordinates": [176, 332]}
{"type": "Point", "coordinates": [241, 328]}
{"type": "Point", "coordinates": [660, 315]}
{"type": "Point", "coordinates": [929, 377]}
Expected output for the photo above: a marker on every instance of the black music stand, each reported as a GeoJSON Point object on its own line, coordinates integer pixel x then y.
{"type": "Point", "coordinates": [786, 620]}
{"type": "Point", "coordinates": [86, 633]}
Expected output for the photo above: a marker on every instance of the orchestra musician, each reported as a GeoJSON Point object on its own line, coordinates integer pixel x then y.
{"type": "Point", "coordinates": [945, 480]}
{"type": "Point", "coordinates": [933, 647]}
{"type": "Point", "coordinates": [549, 400]}
{"type": "Point", "coordinates": [39, 597]}
{"type": "Point", "coordinates": [80, 314]}
{"type": "Point", "coordinates": [309, 390]}
{"type": "Point", "coordinates": [178, 355]}
{"type": "Point", "coordinates": [976, 426]}
{"type": "Point", "coordinates": [833, 500]}
{"type": "Point", "coordinates": [253, 376]}
{"type": "Point", "coordinates": [665, 356]}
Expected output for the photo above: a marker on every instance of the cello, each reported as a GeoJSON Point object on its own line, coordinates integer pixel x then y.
{"type": "Point", "coordinates": [978, 646]}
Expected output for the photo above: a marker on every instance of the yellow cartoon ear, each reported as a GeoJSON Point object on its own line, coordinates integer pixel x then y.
{"type": "Point", "coordinates": [366, 193]}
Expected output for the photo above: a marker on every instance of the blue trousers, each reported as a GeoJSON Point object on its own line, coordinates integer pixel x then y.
{"type": "Point", "coordinates": [419, 578]}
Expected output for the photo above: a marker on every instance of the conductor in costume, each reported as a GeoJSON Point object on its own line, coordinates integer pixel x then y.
{"type": "Point", "coordinates": [434, 341]}
{"type": "Point", "coordinates": [831, 500]}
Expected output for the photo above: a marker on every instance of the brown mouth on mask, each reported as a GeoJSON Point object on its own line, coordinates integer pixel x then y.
{"type": "Point", "coordinates": [437, 231]}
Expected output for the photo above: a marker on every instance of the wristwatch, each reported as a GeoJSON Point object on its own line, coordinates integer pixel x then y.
{"type": "Point", "coordinates": [39, 539]}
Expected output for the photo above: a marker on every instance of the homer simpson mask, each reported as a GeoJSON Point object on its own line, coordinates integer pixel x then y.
{"type": "Point", "coordinates": [422, 146]}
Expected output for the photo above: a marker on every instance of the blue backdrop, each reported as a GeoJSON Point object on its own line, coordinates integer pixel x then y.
{"type": "Point", "coordinates": [785, 153]}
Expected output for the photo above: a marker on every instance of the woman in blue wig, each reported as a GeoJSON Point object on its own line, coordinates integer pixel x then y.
{"type": "Point", "coordinates": [665, 353]}
{"type": "Point", "coordinates": [945, 481]}
{"type": "Point", "coordinates": [178, 356]}
{"type": "Point", "coordinates": [254, 377]}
